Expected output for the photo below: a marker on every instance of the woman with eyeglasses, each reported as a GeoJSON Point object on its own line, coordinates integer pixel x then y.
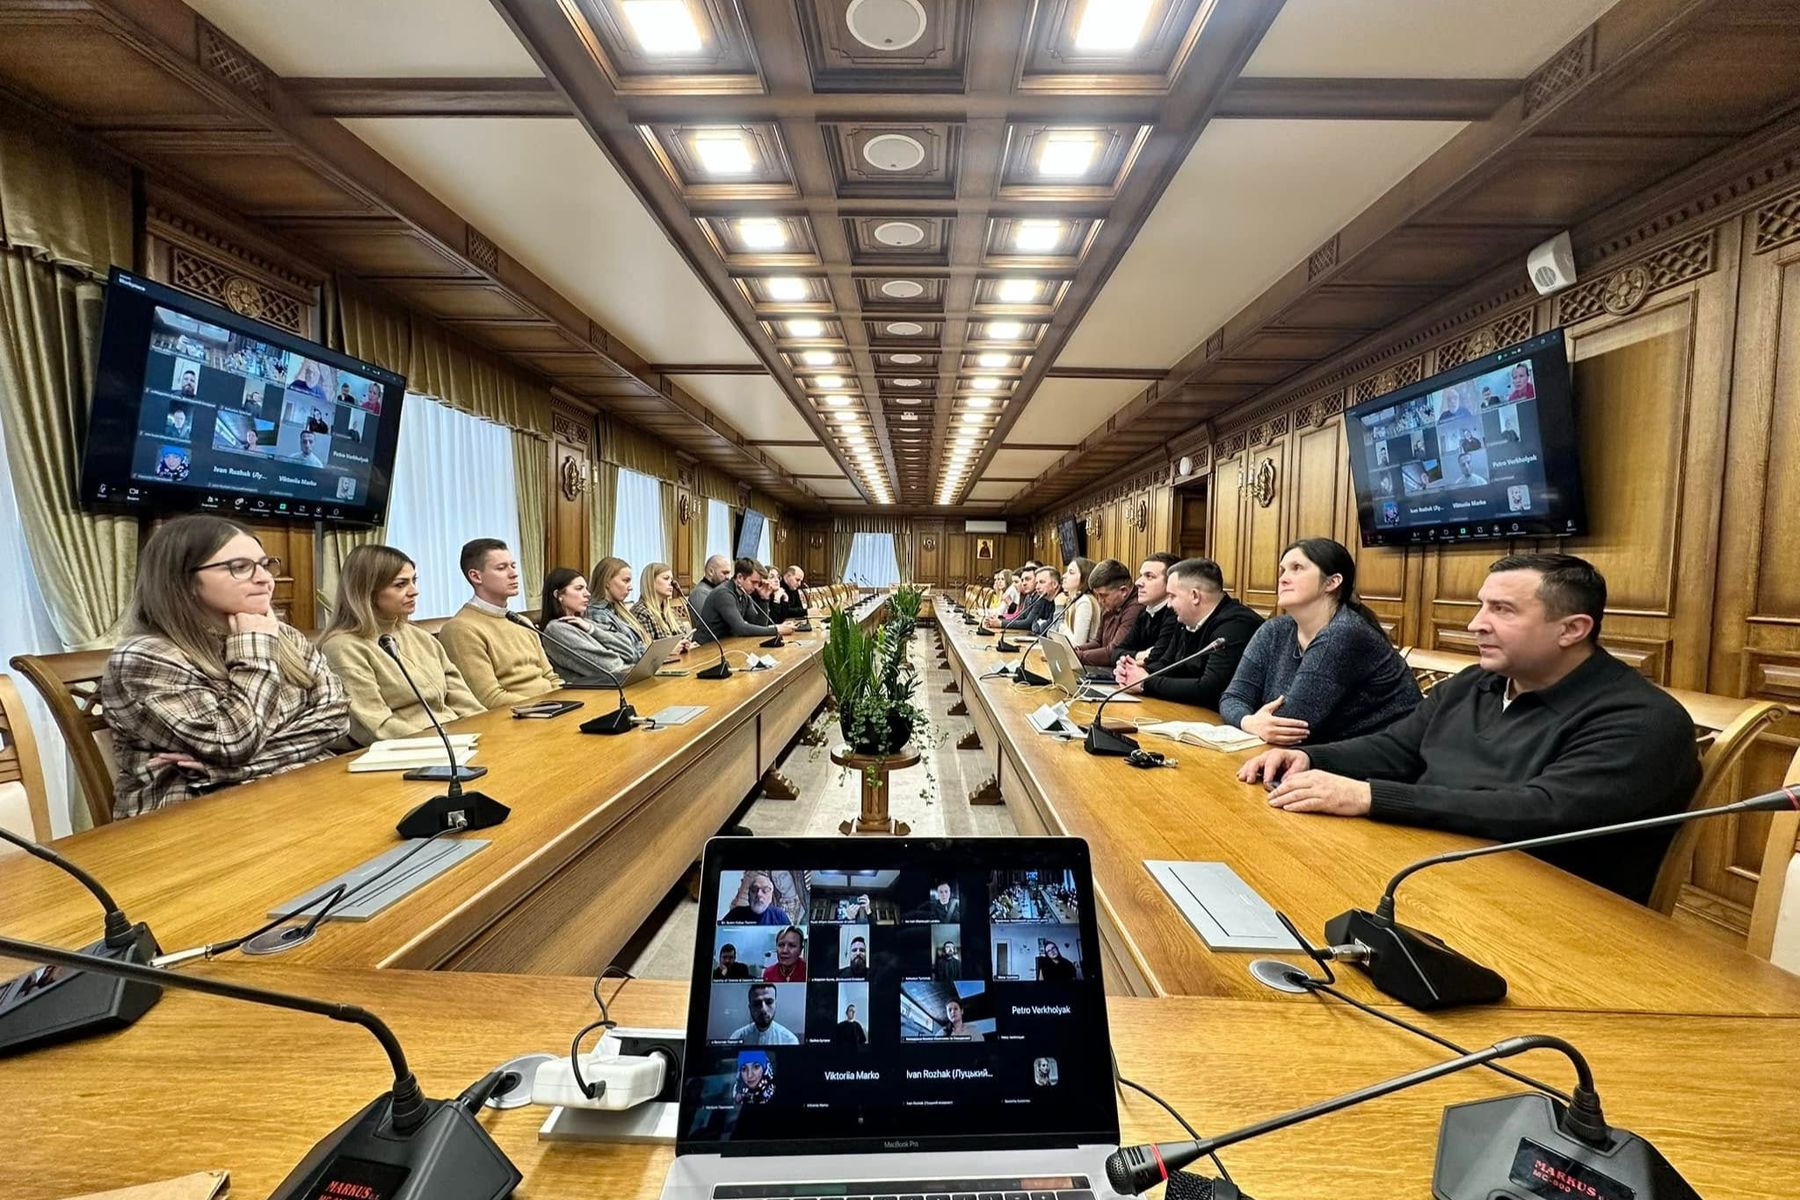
{"type": "Point", "coordinates": [208, 688]}
{"type": "Point", "coordinates": [377, 593]}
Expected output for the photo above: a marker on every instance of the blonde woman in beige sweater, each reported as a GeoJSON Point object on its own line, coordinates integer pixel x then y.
{"type": "Point", "coordinates": [376, 596]}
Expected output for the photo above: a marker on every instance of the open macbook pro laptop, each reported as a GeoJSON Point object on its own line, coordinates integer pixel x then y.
{"type": "Point", "coordinates": [660, 652]}
{"type": "Point", "coordinates": [938, 1026]}
{"type": "Point", "coordinates": [1066, 674]}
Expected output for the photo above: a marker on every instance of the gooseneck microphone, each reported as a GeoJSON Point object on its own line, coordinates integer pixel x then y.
{"type": "Point", "coordinates": [432, 1148]}
{"type": "Point", "coordinates": [455, 809]}
{"type": "Point", "coordinates": [768, 643]}
{"type": "Point", "coordinates": [1487, 1150]}
{"type": "Point", "coordinates": [390, 645]}
{"type": "Point", "coordinates": [721, 669]}
{"type": "Point", "coordinates": [1101, 740]}
{"type": "Point", "coordinates": [32, 1013]}
{"type": "Point", "coordinates": [1421, 970]}
{"type": "Point", "coordinates": [1024, 674]}
{"type": "Point", "coordinates": [622, 719]}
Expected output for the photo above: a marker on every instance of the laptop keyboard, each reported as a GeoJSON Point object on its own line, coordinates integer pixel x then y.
{"type": "Point", "coordinates": [1058, 1188]}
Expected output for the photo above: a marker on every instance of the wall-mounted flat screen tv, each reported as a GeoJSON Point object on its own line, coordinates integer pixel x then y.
{"type": "Point", "coordinates": [1485, 450]}
{"type": "Point", "coordinates": [199, 409]}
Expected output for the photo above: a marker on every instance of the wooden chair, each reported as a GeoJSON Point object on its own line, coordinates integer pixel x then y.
{"type": "Point", "coordinates": [1724, 727]}
{"type": "Point", "coordinates": [20, 764]}
{"type": "Point", "coordinates": [70, 686]}
{"type": "Point", "coordinates": [1779, 853]}
{"type": "Point", "coordinates": [1432, 667]}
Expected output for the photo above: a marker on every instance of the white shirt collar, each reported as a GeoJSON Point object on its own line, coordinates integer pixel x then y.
{"type": "Point", "coordinates": [492, 610]}
{"type": "Point", "coordinates": [1158, 606]}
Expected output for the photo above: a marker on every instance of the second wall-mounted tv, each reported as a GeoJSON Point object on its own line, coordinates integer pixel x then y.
{"type": "Point", "coordinates": [1071, 537]}
{"type": "Point", "coordinates": [750, 530]}
{"type": "Point", "coordinates": [1485, 450]}
{"type": "Point", "coordinates": [199, 409]}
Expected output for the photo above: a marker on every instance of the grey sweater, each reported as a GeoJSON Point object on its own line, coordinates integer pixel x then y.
{"type": "Point", "coordinates": [596, 649]}
{"type": "Point", "coordinates": [1350, 680]}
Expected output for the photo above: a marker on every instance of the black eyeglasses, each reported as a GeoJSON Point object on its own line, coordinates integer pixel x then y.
{"type": "Point", "coordinates": [243, 568]}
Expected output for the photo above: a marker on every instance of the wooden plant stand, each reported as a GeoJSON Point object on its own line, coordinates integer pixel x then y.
{"type": "Point", "coordinates": [874, 772]}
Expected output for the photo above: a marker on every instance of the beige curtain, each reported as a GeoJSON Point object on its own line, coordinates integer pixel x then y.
{"type": "Point", "coordinates": [603, 504]}
{"type": "Point", "coordinates": [666, 493]}
{"type": "Point", "coordinates": [531, 472]}
{"type": "Point", "coordinates": [713, 484]}
{"type": "Point", "coordinates": [846, 528]}
{"type": "Point", "coordinates": [632, 448]}
{"type": "Point", "coordinates": [65, 218]}
{"type": "Point", "coordinates": [335, 545]}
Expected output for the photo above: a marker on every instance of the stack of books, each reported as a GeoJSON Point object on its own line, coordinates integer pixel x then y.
{"type": "Point", "coordinates": [404, 754]}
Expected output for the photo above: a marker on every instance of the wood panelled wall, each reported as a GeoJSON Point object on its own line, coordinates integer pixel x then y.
{"type": "Point", "coordinates": [1685, 349]}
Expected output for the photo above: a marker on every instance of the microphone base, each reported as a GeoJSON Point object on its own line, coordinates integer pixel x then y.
{"type": "Point", "coordinates": [1028, 677]}
{"type": "Point", "coordinates": [1101, 740]}
{"type": "Point", "coordinates": [471, 810]}
{"type": "Point", "coordinates": [719, 670]}
{"type": "Point", "coordinates": [1005, 647]}
{"type": "Point", "coordinates": [448, 1157]}
{"type": "Point", "coordinates": [1412, 966]}
{"type": "Point", "coordinates": [443, 774]}
{"type": "Point", "coordinates": [984, 633]}
{"type": "Point", "coordinates": [47, 1005]}
{"type": "Point", "coordinates": [621, 720]}
{"type": "Point", "coordinates": [1502, 1148]}
{"type": "Point", "coordinates": [771, 643]}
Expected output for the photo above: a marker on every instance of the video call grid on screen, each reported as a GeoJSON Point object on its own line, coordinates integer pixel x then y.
{"type": "Point", "coordinates": [932, 985]}
{"type": "Point", "coordinates": [247, 407]}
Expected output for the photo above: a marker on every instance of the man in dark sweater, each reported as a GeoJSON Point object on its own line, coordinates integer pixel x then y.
{"type": "Point", "coordinates": [788, 604]}
{"type": "Point", "coordinates": [732, 610]}
{"type": "Point", "coordinates": [1549, 734]}
{"type": "Point", "coordinates": [1154, 630]}
{"type": "Point", "coordinates": [1037, 605]}
{"type": "Point", "coordinates": [1111, 583]}
{"type": "Point", "coordinates": [1203, 612]}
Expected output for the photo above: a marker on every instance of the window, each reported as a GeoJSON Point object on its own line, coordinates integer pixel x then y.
{"type": "Point", "coordinates": [873, 562]}
{"type": "Point", "coordinates": [25, 628]}
{"type": "Point", "coordinates": [453, 482]}
{"type": "Point", "coordinates": [637, 524]}
{"type": "Point", "coordinates": [765, 545]}
{"type": "Point", "coordinates": [718, 528]}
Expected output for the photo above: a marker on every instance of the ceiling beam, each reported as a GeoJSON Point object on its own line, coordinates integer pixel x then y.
{"type": "Point", "coordinates": [1368, 99]}
{"type": "Point", "coordinates": [503, 97]}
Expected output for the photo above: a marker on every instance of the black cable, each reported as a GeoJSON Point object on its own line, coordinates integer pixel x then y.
{"type": "Point", "coordinates": [595, 1091]}
{"type": "Point", "coordinates": [1218, 1164]}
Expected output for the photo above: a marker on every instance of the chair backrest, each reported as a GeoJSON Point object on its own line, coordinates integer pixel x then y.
{"type": "Point", "coordinates": [1432, 667]}
{"type": "Point", "coordinates": [1781, 857]}
{"type": "Point", "coordinates": [70, 686]}
{"type": "Point", "coordinates": [1724, 727]}
{"type": "Point", "coordinates": [21, 770]}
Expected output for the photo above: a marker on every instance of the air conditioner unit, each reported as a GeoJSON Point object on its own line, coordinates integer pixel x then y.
{"type": "Point", "coordinates": [984, 526]}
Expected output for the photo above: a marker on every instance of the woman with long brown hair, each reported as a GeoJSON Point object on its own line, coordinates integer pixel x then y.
{"type": "Point", "coordinates": [591, 637]}
{"type": "Point", "coordinates": [208, 687]}
{"type": "Point", "coordinates": [377, 593]}
{"type": "Point", "coordinates": [657, 609]}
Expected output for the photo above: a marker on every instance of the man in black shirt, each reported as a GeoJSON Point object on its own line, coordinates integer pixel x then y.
{"type": "Point", "coordinates": [788, 604]}
{"type": "Point", "coordinates": [858, 967]}
{"type": "Point", "coordinates": [731, 609]}
{"type": "Point", "coordinates": [1203, 611]}
{"type": "Point", "coordinates": [1550, 733]}
{"type": "Point", "coordinates": [729, 967]}
{"type": "Point", "coordinates": [849, 1034]}
{"type": "Point", "coordinates": [1154, 629]}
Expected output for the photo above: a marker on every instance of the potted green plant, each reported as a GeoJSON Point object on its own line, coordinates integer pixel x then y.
{"type": "Point", "coordinates": [872, 685]}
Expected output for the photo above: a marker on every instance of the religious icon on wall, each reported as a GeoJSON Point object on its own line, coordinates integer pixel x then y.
{"type": "Point", "coordinates": [984, 548]}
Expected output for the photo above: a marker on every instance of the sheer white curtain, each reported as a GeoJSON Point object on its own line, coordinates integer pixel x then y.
{"type": "Point", "coordinates": [637, 523]}
{"type": "Point", "coordinates": [25, 628]}
{"type": "Point", "coordinates": [873, 562]}
{"type": "Point", "coordinates": [453, 482]}
{"type": "Point", "coordinates": [718, 529]}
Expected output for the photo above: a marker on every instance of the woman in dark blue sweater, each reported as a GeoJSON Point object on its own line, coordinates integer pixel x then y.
{"type": "Point", "coordinates": [1323, 671]}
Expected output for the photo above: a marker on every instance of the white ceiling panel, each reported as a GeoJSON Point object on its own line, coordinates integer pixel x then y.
{"type": "Point", "coordinates": [1063, 411]}
{"type": "Point", "coordinates": [1419, 39]}
{"type": "Point", "coordinates": [754, 404]}
{"type": "Point", "coordinates": [545, 194]}
{"type": "Point", "coordinates": [1253, 199]}
{"type": "Point", "coordinates": [373, 38]}
{"type": "Point", "coordinates": [1022, 464]}
{"type": "Point", "coordinates": [834, 489]}
{"type": "Point", "coordinates": [802, 460]}
{"type": "Point", "coordinates": [993, 491]}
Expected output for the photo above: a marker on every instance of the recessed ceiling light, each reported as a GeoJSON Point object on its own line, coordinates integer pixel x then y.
{"type": "Point", "coordinates": [906, 360]}
{"type": "Point", "coordinates": [992, 359]}
{"type": "Point", "coordinates": [663, 26]}
{"type": "Point", "coordinates": [908, 382]}
{"type": "Point", "coordinates": [789, 287]}
{"type": "Point", "coordinates": [844, 416]}
{"type": "Point", "coordinates": [829, 381]}
{"type": "Point", "coordinates": [818, 358]}
{"type": "Point", "coordinates": [1067, 153]}
{"type": "Point", "coordinates": [972, 419]}
{"type": "Point", "coordinates": [1037, 235]}
{"type": "Point", "coordinates": [837, 401]}
{"type": "Point", "coordinates": [981, 401]}
{"type": "Point", "coordinates": [893, 152]}
{"type": "Point", "coordinates": [1005, 331]}
{"type": "Point", "coordinates": [985, 383]}
{"type": "Point", "coordinates": [724, 152]}
{"type": "Point", "coordinates": [1015, 291]}
{"type": "Point", "coordinates": [806, 328]}
{"type": "Point", "coordinates": [763, 233]}
{"type": "Point", "coordinates": [885, 24]}
{"type": "Point", "coordinates": [1111, 24]}
{"type": "Point", "coordinates": [903, 289]}
{"type": "Point", "coordinates": [965, 442]}
{"type": "Point", "coordinates": [899, 233]}
{"type": "Point", "coordinates": [909, 416]}
{"type": "Point", "coordinates": [905, 328]}
{"type": "Point", "coordinates": [855, 439]}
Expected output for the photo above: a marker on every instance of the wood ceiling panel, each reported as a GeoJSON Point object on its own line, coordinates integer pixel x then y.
{"type": "Point", "coordinates": [268, 183]}
{"type": "Point", "coordinates": [380, 248]}
{"type": "Point", "coordinates": [721, 62]}
{"type": "Point", "coordinates": [115, 84]}
{"type": "Point", "coordinates": [1055, 59]}
{"type": "Point", "coordinates": [461, 300]}
{"type": "Point", "coordinates": [932, 59]}
{"type": "Point", "coordinates": [1556, 184]}
{"type": "Point", "coordinates": [518, 336]}
{"type": "Point", "coordinates": [875, 159]}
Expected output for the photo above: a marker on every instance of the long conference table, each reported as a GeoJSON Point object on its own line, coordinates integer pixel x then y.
{"type": "Point", "coordinates": [1695, 1045]}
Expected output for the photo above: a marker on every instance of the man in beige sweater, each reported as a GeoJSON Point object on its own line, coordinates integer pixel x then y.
{"type": "Point", "coordinates": [497, 651]}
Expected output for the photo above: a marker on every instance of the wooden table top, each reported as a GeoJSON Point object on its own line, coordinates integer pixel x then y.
{"type": "Point", "coordinates": [1560, 941]}
{"type": "Point", "coordinates": [210, 869]}
{"type": "Point", "coordinates": [202, 1084]}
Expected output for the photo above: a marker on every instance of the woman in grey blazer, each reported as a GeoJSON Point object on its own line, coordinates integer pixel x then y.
{"type": "Point", "coordinates": [591, 639]}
